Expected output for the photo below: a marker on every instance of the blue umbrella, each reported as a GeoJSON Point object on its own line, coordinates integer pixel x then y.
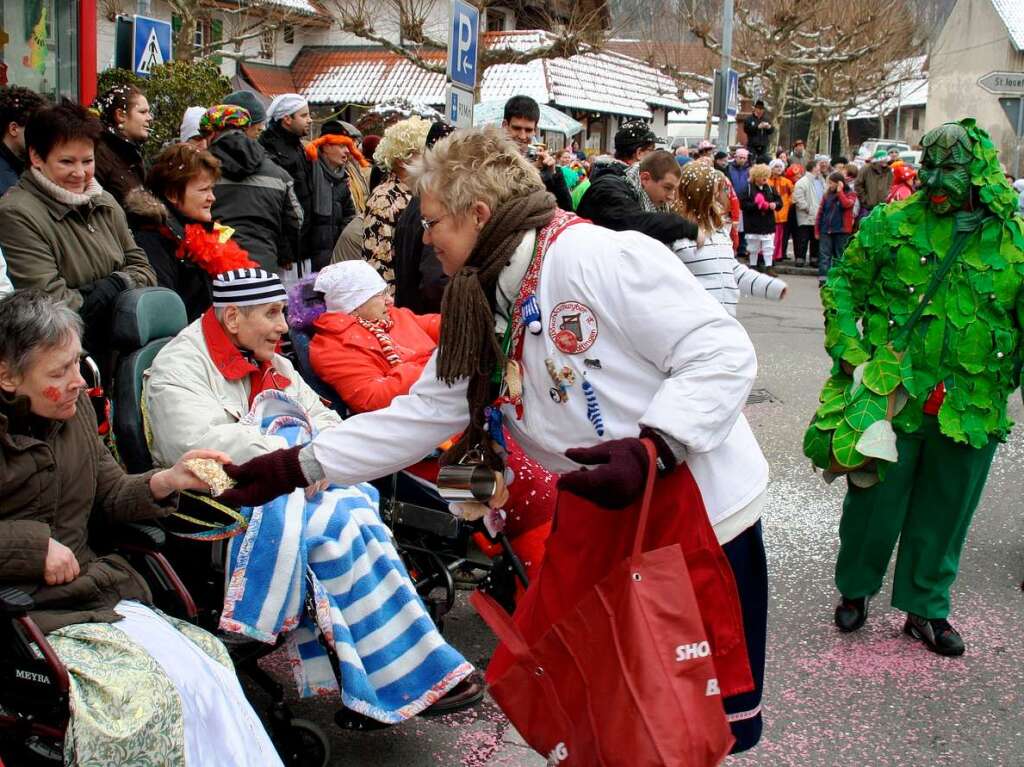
{"type": "Point", "coordinates": [492, 112]}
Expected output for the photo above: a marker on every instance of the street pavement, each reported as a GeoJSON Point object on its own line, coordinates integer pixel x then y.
{"type": "Point", "coordinates": [875, 697]}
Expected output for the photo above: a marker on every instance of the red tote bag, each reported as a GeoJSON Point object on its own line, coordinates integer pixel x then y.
{"type": "Point", "coordinates": [624, 676]}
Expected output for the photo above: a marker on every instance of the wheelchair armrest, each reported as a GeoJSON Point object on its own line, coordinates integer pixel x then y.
{"type": "Point", "coordinates": [15, 602]}
{"type": "Point", "coordinates": [138, 535]}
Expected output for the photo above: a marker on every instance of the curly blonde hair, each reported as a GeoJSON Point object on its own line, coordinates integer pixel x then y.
{"type": "Point", "coordinates": [401, 142]}
{"type": "Point", "coordinates": [760, 174]}
{"type": "Point", "coordinates": [476, 164]}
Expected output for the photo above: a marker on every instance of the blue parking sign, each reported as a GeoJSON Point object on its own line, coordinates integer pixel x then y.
{"type": "Point", "coordinates": [463, 33]}
{"type": "Point", "coordinates": [151, 44]}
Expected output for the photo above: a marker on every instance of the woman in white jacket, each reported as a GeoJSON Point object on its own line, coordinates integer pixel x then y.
{"type": "Point", "coordinates": [622, 343]}
{"type": "Point", "coordinates": [713, 263]}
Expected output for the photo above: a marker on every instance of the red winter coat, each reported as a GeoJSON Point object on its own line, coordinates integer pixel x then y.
{"type": "Point", "coordinates": [349, 359]}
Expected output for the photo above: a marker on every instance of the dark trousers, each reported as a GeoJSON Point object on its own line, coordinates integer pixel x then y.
{"type": "Point", "coordinates": [787, 233]}
{"type": "Point", "coordinates": [750, 569]}
{"type": "Point", "coordinates": [830, 250]}
{"type": "Point", "coordinates": [803, 237]}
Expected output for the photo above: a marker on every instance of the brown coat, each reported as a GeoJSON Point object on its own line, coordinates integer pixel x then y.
{"type": "Point", "coordinates": [53, 476]}
{"type": "Point", "coordinates": [59, 249]}
{"type": "Point", "coordinates": [119, 165]}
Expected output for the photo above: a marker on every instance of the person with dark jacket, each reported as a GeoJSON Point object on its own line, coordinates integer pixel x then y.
{"type": "Point", "coordinates": [126, 117]}
{"type": "Point", "coordinates": [758, 130]}
{"type": "Point", "coordinates": [520, 120]}
{"type": "Point", "coordinates": [613, 202]}
{"type": "Point", "coordinates": [61, 487]}
{"type": "Point", "coordinates": [332, 207]}
{"type": "Point", "coordinates": [172, 221]}
{"type": "Point", "coordinates": [288, 123]}
{"type": "Point", "coordinates": [16, 105]}
{"type": "Point", "coordinates": [62, 233]}
{"type": "Point", "coordinates": [834, 224]}
{"type": "Point", "coordinates": [255, 196]}
{"type": "Point", "coordinates": [759, 202]}
{"type": "Point", "coordinates": [419, 278]}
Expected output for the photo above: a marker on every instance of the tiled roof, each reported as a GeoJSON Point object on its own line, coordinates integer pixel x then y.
{"type": "Point", "coordinates": [304, 7]}
{"type": "Point", "coordinates": [268, 80]}
{"type": "Point", "coordinates": [365, 76]}
{"type": "Point", "coordinates": [1012, 14]}
{"type": "Point", "coordinates": [602, 81]}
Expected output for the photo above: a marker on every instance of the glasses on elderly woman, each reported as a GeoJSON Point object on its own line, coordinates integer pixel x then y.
{"type": "Point", "coordinates": [430, 223]}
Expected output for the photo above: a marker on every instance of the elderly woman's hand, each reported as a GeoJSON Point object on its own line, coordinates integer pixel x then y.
{"type": "Point", "coordinates": [179, 477]}
{"type": "Point", "coordinates": [61, 565]}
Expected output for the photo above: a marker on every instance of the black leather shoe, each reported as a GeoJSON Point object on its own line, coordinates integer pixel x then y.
{"type": "Point", "coordinates": [937, 635]}
{"type": "Point", "coordinates": [851, 613]}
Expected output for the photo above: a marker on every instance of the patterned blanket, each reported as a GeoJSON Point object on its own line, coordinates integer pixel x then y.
{"type": "Point", "coordinates": [393, 661]}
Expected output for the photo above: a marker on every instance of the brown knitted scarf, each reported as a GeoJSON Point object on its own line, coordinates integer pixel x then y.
{"type": "Point", "coordinates": [469, 347]}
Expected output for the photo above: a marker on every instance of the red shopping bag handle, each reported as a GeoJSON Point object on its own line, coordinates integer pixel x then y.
{"type": "Point", "coordinates": [645, 506]}
{"type": "Point", "coordinates": [500, 622]}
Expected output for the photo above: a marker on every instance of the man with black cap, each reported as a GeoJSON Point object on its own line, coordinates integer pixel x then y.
{"type": "Point", "coordinates": [251, 103]}
{"type": "Point", "coordinates": [613, 202]}
{"type": "Point", "coordinates": [758, 130]}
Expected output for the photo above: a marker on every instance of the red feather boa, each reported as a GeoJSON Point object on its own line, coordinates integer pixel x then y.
{"type": "Point", "coordinates": [214, 257]}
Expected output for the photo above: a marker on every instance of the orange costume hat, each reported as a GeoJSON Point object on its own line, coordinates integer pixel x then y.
{"type": "Point", "coordinates": [332, 138]}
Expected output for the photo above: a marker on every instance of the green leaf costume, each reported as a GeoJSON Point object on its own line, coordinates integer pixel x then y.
{"type": "Point", "coordinates": [968, 336]}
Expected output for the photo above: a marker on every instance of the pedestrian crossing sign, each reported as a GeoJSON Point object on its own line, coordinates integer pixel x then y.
{"type": "Point", "coordinates": [152, 45]}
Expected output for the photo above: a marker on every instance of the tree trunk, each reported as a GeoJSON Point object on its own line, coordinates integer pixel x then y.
{"type": "Point", "coordinates": [844, 135]}
{"type": "Point", "coordinates": [185, 36]}
{"type": "Point", "coordinates": [779, 101]}
{"type": "Point", "coordinates": [818, 134]}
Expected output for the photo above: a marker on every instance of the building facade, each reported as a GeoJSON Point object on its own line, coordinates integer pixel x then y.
{"type": "Point", "coordinates": [980, 36]}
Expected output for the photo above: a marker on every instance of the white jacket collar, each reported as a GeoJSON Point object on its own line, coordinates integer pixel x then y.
{"type": "Point", "coordinates": [510, 279]}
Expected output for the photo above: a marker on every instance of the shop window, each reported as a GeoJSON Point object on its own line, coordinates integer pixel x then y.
{"type": "Point", "coordinates": [917, 119]}
{"type": "Point", "coordinates": [40, 52]}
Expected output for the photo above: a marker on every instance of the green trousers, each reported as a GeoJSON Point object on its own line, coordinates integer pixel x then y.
{"type": "Point", "coordinates": [926, 502]}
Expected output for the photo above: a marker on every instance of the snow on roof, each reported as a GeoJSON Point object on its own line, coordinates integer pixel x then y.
{"type": "Point", "coordinates": [911, 92]}
{"type": "Point", "coordinates": [300, 6]}
{"type": "Point", "coordinates": [599, 81]}
{"type": "Point", "coordinates": [1012, 14]}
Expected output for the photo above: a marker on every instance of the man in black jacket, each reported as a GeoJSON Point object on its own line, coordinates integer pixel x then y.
{"type": "Point", "coordinates": [16, 105]}
{"type": "Point", "coordinates": [759, 131]}
{"type": "Point", "coordinates": [255, 196]}
{"type": "Point", "coordinates": [615, 203]}
{"type": "Point", "coordinates": [288, 122]}
{"type": "Point", "coordinates": [522, 114]}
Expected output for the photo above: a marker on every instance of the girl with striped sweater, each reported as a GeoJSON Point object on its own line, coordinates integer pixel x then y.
{"type": "Point", "coordinates": [703, 197]}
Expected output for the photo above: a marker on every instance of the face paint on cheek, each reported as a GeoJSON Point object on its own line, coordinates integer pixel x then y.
{"type": "Point", "coordinates": [52, 393]}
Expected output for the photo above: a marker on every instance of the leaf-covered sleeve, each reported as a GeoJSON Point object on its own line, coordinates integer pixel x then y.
{"type": "Point", "coordinates": [844, 297]}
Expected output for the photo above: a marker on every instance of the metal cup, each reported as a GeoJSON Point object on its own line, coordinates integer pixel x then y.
{"type": "Point", "coordinates": [467, 482]}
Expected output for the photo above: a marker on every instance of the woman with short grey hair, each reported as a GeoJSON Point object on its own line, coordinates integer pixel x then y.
{"type": "Point", "coordinates": [141, 683]}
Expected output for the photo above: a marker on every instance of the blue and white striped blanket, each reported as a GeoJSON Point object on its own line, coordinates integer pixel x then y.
{"type": "Point", "coordinates": [394, 662]}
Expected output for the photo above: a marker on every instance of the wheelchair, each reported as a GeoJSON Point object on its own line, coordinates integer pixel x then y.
{"type": "Point", "coordinates": [35, 686]}
{"type": "Point", "coordinates": [435, 544]}
{"type": "Point", "coordinates": [146, 319]}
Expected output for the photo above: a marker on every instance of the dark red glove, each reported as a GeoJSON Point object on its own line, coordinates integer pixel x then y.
{"type": "Point", "coordinates": [621, 471]}
{"type": "Point", "coordinates": [264, 478]}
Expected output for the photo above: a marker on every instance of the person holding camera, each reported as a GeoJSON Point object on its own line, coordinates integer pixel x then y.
{"type": "Point", "coordinates": [522, 115]}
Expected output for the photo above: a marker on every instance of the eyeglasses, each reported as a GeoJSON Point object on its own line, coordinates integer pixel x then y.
{"type": "Point", "coordinates": [430, 223]}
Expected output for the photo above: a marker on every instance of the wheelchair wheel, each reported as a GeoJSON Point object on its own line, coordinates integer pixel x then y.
{"type": "Point", "coordinates": [307, 745]}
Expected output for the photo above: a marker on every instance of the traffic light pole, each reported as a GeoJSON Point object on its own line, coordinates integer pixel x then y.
{"type": "Point", "coordinates": [723, 119]}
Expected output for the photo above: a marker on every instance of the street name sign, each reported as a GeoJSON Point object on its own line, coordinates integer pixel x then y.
{"type": "Point", "coordinates": [1003, 83]}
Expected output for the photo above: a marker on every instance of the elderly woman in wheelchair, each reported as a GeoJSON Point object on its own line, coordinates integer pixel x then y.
{"type": "Point", "coordinates": [317, 567]}
{"type": "Point", "coordinates": [141, 683]}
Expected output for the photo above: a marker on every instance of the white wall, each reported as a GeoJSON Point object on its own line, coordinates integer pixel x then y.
{"type": "Point", "coordinates": [972, 43]}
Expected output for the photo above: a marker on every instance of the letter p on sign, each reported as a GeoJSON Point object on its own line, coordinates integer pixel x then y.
{"type": "Point", "coordinates": [465, 44]}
